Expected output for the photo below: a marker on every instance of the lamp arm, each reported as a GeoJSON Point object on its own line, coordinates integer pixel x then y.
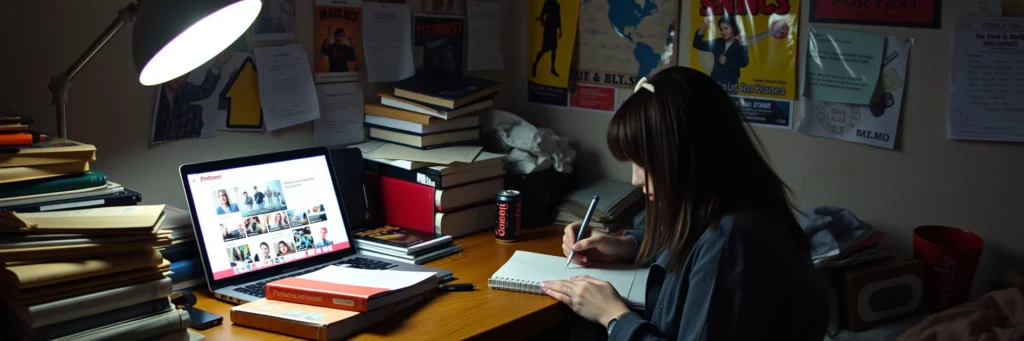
{"type": "Point", "coordinates": [60, 83]}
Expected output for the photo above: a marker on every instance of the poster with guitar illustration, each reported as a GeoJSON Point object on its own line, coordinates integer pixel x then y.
{"type": "Point", "coordinates": [750, 49]}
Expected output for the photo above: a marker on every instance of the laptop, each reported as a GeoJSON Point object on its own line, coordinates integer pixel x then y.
{"type": "Point", "coordinates": [265, 217]}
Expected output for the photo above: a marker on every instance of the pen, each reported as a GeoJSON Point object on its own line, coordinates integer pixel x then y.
{"type": "Point", "coordinates": [20, 139]}
{"type": "Point", "coordinates": [586, 221]}
{"type": "Point", "coordinates": [457, 287]}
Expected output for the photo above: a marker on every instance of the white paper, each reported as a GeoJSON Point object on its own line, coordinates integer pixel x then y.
{"type": "Point", "coordinates": [276, 21]}
{"type": "Point", "coordinates": [341, 114]}
{"type": "Point", "coordinates": [986, 99]}
{"type": "Point", "coordinates": [983, 8]}
{"type": "Point", "coordinates": [875, 124]}
{"type": "Point", "coordinates": [386, 279]}
{"type": "Point", "coordinates": [287, 92]}
{"type": "Point", "coordinates": [387, 42]}
{"type": "Point", "coordinates": [484, 35]}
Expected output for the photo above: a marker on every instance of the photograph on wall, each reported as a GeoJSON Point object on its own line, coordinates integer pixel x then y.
{"type": "Point", "coordinates": [750, 49]}
{"type": "Point", "coordinates": [551, 37]}
{"type": "Point", "coordinates": [337, 33]}
{"type": "Point", "coordinates": [276, 21]}
{"type": "Point", "coordinates": [622, 41]}
{"type": "Point", "coordinates": [438, 42]}
{"type": "Point", "coordinates": [444, 6]}
{"type": "Point", "coordinates": [875, 123]}
{"type": "Point", "coordinates": [904, 13]}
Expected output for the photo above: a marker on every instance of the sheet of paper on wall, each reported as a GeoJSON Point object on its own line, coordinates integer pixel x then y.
{"type": "Point", "coordinates": [843, 65]}
{"type": "Point", "coordinates": [337, 38]}
{"type": "Point", "coordinates": [341, 114]}
{"type": "Point", "coordinates": [239, 105]}
{"type": "Point", "coordinates": [438, 42]}
{"type": "Point", "coordinates": [276, 21]}
{"type": "Point", "coordinates": [189, 106]}
{"type": "Point", "coordinates": [987, 82]}
{"type": "Point", "coordinates": [484, 35]}
{"type": "Point", "coordinates": [444, 6]}
{"type": "Point", "coordinates": [287, 92]}
{"type": "Point", "coordinates": [441, 156]}
{"type": "Point", "coordinates": [594, 98]}
{"type": "Point", "coordinates": [874, 124]}
{"type": "Point", "coordinates": [387, 42]}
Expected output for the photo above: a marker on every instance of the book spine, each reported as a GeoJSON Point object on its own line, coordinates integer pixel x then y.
{"type": "Point", "coordinates": [152, 327]}
{"type": "Point", "coordinates": [54, 185]}
{"type": "Point", "coordinates": [85, 305]}
{"type": "Point", "coordinates": [335, 300]}
{"type": "Point", "coordinates": [432, 180]}
{"type": "Point", "coordinates": [276, 325]}
{"type": "Point", "coordinates": [98, 320]}
{"type": "Point", "coordinates": [475, 142]}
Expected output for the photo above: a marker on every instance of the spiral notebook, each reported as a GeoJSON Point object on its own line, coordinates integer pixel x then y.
{"type": "Point", "coordinates": [526, 270]}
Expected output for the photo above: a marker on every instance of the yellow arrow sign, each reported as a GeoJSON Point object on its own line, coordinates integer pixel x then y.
{"type": "Point", "coordinates": [243, 94]}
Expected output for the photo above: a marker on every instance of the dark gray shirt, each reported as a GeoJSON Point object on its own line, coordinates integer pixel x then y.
{"type": "Point", "coordinates": [745, 279]}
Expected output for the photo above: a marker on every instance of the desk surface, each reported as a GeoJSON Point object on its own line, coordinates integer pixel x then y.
{"type": "Point", "coordinates": [484, 313]}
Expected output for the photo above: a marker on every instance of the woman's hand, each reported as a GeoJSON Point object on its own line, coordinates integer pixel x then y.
{"type": "Point", "coordinates": [593, 299]}
{"type": "Point", "coordinates": [721, 59]}
{"type": "Point", "coordinates": [596, 246]}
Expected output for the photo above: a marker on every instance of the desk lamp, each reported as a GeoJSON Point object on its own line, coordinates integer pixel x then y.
{"type": "Point", "coordinates": [170, 39]}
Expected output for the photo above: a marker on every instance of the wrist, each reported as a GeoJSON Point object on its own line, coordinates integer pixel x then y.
{"type": "Point", "coordinates": [613, 314]}
{"type": "Point", "coordinates": [628, 245]}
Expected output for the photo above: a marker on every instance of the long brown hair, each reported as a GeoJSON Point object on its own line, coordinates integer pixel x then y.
{"type": "Point", "coordinates": [701, 158]}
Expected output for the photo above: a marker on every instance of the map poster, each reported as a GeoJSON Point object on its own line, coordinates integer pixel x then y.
{"type": "Point", "coordinates": [622, 41]}
{"type": "Point", "coordinates": [552, 36]}
{"type": "Point", "coordinates": [750, 49]}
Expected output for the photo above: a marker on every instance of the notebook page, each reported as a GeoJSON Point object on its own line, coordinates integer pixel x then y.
{"type": "Point", "coordinates": [535, 267]}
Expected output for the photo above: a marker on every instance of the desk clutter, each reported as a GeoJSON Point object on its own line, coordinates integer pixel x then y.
{"type": "Point", "coordinates": [91, 274]}
{"type": "Point", "coordinates": [620, 203]}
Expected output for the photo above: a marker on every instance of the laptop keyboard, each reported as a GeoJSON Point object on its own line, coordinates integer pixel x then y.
{"type": "Point", "coordinates": [257, 288]}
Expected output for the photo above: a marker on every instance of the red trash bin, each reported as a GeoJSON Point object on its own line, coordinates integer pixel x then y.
{"type": "Point", "coordinates": [950, 256]}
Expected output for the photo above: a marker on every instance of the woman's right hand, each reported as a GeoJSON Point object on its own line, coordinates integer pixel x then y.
{"type": "Point", "coordinates": [705, 25]}
{"type": "Point", "coordinates": [596, 246]}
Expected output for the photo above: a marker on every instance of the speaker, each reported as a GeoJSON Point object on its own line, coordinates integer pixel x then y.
{"type": "Point", "coordinates": [876, 293]}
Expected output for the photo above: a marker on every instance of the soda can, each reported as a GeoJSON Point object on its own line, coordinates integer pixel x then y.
{"type": "Point", "coordinates": [509, 215]}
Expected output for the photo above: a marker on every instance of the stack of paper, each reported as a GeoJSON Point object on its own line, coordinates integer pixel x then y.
{"type": "Point", "coordinates": [73, 274]}
{"type": "Point", "coordinates": [615, 210]}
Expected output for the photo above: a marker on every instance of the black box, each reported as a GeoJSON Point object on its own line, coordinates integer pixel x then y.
{"type": "Point", "coordinates": [542, 192]}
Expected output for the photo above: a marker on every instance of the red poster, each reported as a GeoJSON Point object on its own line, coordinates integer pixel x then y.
{"type": "Point", "coordinates": [592, 98]}
{"type": "Point", "coordinates": [908, 13]}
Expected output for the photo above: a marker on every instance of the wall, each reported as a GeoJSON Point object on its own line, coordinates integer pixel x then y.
{"type": "Point", "coordinates": [928, 180]}
{"type": "Point", "coordinates": [108, 107]}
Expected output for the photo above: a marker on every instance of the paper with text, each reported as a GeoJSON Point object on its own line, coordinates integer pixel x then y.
{"type": "Point", "coordinates": [843, 65]}
{"type": "Point", "coordinates": [484, 35]}
{"type": "Point", "coordinates": [341, 114]}
{"type": "Point", "coordinates": [387, 42]}
{"type": "Point", "coordinates": [287, 92]}
{"type": "Point", "coordinates": [987, 82]}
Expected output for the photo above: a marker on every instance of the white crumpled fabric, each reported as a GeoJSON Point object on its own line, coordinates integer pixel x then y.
{"type": "Point", "coordinates": [532, 149]}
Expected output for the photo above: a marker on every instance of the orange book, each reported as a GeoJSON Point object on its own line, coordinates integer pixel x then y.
{"type": "Point", "coordinates": [311, 322]}
{"type": "Point", "coordinates": [351, 289]}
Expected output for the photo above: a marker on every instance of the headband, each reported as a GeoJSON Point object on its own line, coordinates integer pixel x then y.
{"type": "Point", "coordinates": [642, 83]}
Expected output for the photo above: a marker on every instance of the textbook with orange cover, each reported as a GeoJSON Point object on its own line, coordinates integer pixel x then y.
{"type": "Point", "coordinates": [345, 288]}
{"type": "Point", "coordinates": [311, 322]}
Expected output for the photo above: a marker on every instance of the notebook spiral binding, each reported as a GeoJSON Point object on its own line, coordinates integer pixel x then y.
{"type": "Point", "coordinates": [512, 284]}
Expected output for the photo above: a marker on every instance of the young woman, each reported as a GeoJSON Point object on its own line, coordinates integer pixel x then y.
{"type": "Point", "coordinates": [226, 206]}
{"type": "Point", "coordinates": [283, 248]}
{"type": "Point", "coordinates": [719, 224]}
{"type": "Point", "coordinates": [729, 51]}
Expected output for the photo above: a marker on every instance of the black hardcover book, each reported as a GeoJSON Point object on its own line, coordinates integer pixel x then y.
{"type": "Point", "coordinates": [401, 238]}
{"type": "Point", "coordinates": [126, 198]}
{"type": "Point", "coordinates": [449, 90]}
{"type": "Point", "coordinates": [438, 42]}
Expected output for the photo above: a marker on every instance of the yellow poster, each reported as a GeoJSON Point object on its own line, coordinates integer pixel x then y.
{"type": "Point", "coordinates": [750, 48]}
{"type": "Point", "coordinates": [552, 36]}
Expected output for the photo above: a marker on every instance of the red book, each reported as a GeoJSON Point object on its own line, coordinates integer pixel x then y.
{"type": "Point", "coordinates": [417, 206]}
{"type": "Point", "coordinates": [351, 289]}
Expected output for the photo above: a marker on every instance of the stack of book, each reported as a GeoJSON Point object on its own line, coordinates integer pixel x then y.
{"type": "Point", "coordinates": [427, 165]}
{"type": "Point", "coordinates": [92, 274]}
{"type": "Point", "coordinates": [619, 203]}
{"type": "Point", "coordinates": [183, 253]}
{"type": "Point", "coordinates": [333, 303]}
{"type": "Point", "coordinates": [53, 175]}
{"type": "Point", "coordinates": [404, 245]}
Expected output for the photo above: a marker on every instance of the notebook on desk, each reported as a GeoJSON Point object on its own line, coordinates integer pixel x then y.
{"type": "Point", "coordinates": [526, 270]}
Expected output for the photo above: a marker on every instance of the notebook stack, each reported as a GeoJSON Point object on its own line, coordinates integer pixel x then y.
{"type": "Point", "coordinates": [333, 303]}
{"type": "Point", "coordinates": [404, 245]}
{"type": "Point", "coordinates": [55, 174]}
{"type": "Point", "coordinates": [183, 253]}
{"type": "Point", "coordinates": [453, 198]}
{"type": "Point", "coordinates": [431, 110]}
{"type": "Point", "coordinates": [619, 203]}
{"type": "Point", "coordinates": [92, 274]}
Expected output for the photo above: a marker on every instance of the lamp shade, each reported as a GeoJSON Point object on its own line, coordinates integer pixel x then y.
{"type": "Point", "coordinates": [173, 37]}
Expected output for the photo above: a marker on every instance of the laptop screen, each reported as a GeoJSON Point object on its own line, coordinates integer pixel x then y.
{"type": "Point", "coordinates": [256, 217]}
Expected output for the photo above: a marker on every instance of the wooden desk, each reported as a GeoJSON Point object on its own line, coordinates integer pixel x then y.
{"type": "Point", "coordinates": [484, 313]}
